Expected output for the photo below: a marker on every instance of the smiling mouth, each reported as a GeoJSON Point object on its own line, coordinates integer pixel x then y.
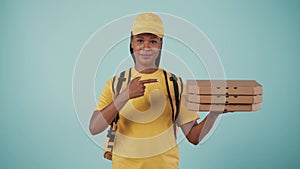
{"type": "Point", "coordinates": [146, 56]}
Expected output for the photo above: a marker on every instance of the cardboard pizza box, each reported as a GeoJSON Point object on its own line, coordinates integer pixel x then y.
{"type": "Point", "coordinates": [220, 107]}
{"type": "Point", "coordinates": [224, 87]}
{"type": "Point", "coordinates": [223, 108]}
{"type": "Point", "coordinates": [223, 99]}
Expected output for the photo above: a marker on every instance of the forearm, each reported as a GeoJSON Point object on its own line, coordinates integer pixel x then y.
{"type": "Point", "coordinates": [199, 131]}
{"type": "Point", "coordinates": [101, 119]}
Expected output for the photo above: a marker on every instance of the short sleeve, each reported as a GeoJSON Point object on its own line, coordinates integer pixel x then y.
{"type": "Point", "coordinates": [106, 96]}
{"type": "Point", "coordinates": [185, 115]}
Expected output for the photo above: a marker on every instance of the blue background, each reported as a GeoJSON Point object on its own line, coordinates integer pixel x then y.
{"type": "Point", "coordinates": [40, 42]}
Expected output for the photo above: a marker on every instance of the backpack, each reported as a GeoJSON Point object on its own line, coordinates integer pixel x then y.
{"type": "Point", "coordinates": [172, 82]}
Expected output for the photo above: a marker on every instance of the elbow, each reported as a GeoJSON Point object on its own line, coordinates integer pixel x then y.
{"type": "Point", "coordinates": [96, 129]}
{"type": "Point", "coordinates": [93, 129]}
{"type": "Point", "coordinates": [97, 123]}
{"type": "Point", "coordinates": [194, 142]}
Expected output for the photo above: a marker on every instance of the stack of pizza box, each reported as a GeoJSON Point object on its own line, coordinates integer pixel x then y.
{"type": "Point", "coordinates": [223, 95]}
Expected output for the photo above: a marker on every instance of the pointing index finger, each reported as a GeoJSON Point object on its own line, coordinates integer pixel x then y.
{"type": "Point", "coordinates": [148, 81]}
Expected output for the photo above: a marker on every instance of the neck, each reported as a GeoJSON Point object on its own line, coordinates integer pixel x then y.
{"type": "Point", "coordinates": [146, 70]}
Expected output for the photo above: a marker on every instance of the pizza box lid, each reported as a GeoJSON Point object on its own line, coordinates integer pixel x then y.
{"type": "Point", "coordinates": [224, 87]}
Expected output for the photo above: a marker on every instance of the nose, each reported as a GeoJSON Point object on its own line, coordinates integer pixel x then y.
{"type": "Point", "coordinates": [146, 45]}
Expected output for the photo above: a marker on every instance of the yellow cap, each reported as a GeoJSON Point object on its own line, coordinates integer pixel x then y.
{"type": "Point", "coordinates": [148, 23]}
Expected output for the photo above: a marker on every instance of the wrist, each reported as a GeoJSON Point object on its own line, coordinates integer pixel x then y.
{"type": "Point", "coordinates": [121, 99]}
{"type": "Point", "coordinates": [215, 113]}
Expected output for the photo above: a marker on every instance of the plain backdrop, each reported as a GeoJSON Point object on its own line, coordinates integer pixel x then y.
{"type": "Point", "coordinates": [41, 40]}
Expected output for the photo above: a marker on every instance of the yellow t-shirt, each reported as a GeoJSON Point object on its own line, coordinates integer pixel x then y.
{"type": "Point", "coordinates": [145, 135]}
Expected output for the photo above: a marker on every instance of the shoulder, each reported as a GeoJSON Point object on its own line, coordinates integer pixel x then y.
{"type": "Point", "coordinates": [123, 73]}
{"type": "Point", "coordinates": [172, 76]}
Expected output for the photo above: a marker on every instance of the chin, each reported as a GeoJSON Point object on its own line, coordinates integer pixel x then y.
{"type": "Point", "coordinates": [148, 65]}
{"type": "Point", "coordinates": [147, 62]}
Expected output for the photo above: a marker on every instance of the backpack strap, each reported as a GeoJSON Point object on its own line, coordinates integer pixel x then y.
{"type": "Point", "coordinates": [173, 78]}
{"type": "Point", "coordinates": [129, 76]}
{"type": "Point", "coordinates": [178, 88]}
{"type": "Point", "coordinates": [116, 89]}
{"type": "Point", "coordinates": [110, 136]}
{"type": "Point", "coordinates": [169, 94]}
{"type": "Point", "coordinates": [120, 82]}
{"type": "Point", "coordinates": [174, 102]}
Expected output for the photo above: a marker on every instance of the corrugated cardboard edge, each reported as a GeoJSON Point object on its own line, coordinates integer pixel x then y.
{"type": "Point", "coordinates": [223, 108]}
{"type": "Point", "coordinates": [224, 87]}
{"type": "Point", "coordinates": [222, 99]}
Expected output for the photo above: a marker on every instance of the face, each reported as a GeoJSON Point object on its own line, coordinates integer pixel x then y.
{"type": "Point", "coordinates": [146, 48]}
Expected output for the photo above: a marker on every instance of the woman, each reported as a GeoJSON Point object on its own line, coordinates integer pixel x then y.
{"type": "Point", "coordinates": [145, 128]}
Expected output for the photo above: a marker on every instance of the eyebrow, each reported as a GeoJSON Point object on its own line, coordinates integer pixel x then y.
{"type": "Point", "coordinates": [139, 36]}
{"type": "Point", "coordinates": [154, 37]}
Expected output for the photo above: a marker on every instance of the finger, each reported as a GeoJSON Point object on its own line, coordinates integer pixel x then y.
{"type": "Point", "coordinates": [137, 78]}
{"type": "Point", "coordinates": [148, 81]}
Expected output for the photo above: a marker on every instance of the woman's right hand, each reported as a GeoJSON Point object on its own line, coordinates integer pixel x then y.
{"type": "Point", "coordinates": [136, 87]}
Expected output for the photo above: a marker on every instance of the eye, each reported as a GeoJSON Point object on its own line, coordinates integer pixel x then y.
{"type": "Point", "coordinates": [153, 41]}
{"type": "Point", "coordinates": [140, 40]}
